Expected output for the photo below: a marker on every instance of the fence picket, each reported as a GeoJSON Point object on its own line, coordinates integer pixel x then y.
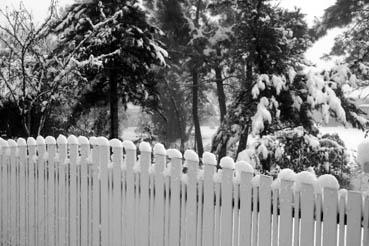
{"type": "Point", "coordinates": [95, 162]}
{"type": "Point", "coordinates": [307, 215]}
{"type": "Point", "coordinates": [130, 149]}
{"type": "Point", "coordinates": [285, 233]}
{"type": "Point", "coordinates": [145, 163]}
{"type": "Point", "coordinates": [354, 203]}
{"type": "Point", "coordinates": [72, 187]}
{"type": "Point", "coordinates": [208, 215]}
{"type": "Point", "coordinates": [84, 221]}
{"type": "Point", "coordinates": [22, 148]}
{"type": "Point", "coordinates": [31, 194]}
{"type": "Point", "coordinates": [175, 185]}
{"type": "Point", "coordinates": [51, 149]}
{"type": "Point", "coordinates": [40, 204]}
{"type": "Point", "coordinates": [227, 165]}
{"type": "Point", "coordinates": [62, 191]}
{"type": "Point", "coordinates": [54, 197]}
{"type": "Point", "coordinates": [117, 159]}
{"type": "Point", "coordinates": [192, 162]}
{"type": "Point", "coordinates": [160, 156]}
{"type": "Point", "coordinates": [330, 201]}
{"type": "Point", "coordinates": [366, 220]}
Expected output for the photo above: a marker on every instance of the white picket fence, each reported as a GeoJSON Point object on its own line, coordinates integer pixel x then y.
{"type": "Point", "coordinates": [81, 192]}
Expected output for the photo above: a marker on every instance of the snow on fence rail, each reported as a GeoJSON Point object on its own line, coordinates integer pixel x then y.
{"type": "Point", "coordinates": [96, 192]}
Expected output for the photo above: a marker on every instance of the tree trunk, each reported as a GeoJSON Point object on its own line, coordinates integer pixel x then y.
{"type": "Point", "coordinates": [113, 99]}
{"type": "Point", "coordinates": [220, 92]}
{"type": "Point", "coordinates": [243, 140]}
{"type": "Point", "coordinates": [195, 113]}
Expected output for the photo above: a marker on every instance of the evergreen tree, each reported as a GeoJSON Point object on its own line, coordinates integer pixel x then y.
{"type": "Point", "coordinates": [115, 48]}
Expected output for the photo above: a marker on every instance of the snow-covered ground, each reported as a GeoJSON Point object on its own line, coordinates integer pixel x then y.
{"type": "Point", "coordinates": [352, 137]}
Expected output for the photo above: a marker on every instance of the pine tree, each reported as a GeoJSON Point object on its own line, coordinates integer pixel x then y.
{"type": "Point", "coordinates": [115, 47]}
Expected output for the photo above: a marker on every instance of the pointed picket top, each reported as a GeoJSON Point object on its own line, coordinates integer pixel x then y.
{"type": "Point", "coordinates": [72, 139]}
{"type": "Point", "coordinates": [50, 140]}
{"type": "Point", "coordinates": [82, 140]}
{"type": "Point", "coordinates": [145, 147]}
{"type": "Point", "coordinates": [116, 143]}
{"type": "Point", "coordinates": [40, 140]}
{"type": "Point", "coordinates": [93, 141]}
{"type": "Point", "coordinates": [287, 174]}
{"type": "Point", "coordinates": [3, 142]}
{"type": "Point", "coordinates": [61, 139]}
{"type": "Point", "coordinates": [103, 141]}
{"type": "Point", "coordinates": [243, 166]}
{"type": "Point", "coordinates": [174, 153]}
{"type": "Point", "coordinates": [129, 145]}
{"type": "Point", "coordinates": [21, 142]}
{"type": "Point", "coordinates": [209, 158]}
{"type": "Point", "coordinates": [191, 155]}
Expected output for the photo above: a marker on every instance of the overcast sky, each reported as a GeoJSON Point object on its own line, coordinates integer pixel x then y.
{"type": "Point", "coordinates": [312, 9]}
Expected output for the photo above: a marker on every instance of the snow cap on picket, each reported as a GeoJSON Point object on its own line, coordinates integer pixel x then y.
{"type": "Point", "coordinates": [40, 140]}
{"type": "Point", "coordinates": [72, 139]}
{"type": "Point", "coordinates": [287, 174]}
{"type": "Point", "coordinates": [191, 155]}
{"type": "Point", "coordinates": [31, 141]}
{"type": "Point", "coordinates": [328, 181]}
{"type": "Point", "coordinates": [159, 149]}
{"type": "Point", "coordinates": [50, 140]}
{"type": "Point", "coordinates": [82, 140]}
{"type": "Point", "coordinates": [116, 143]}
{"type": "Point", "coordinates": [174, 153]}
{"type": "Point", "coordinates": [145, 147]}
{"type": "Point", "coordinates": [12, 143]}
{"type": "Point", "coordinates": [304, 177]}
{"type": "Point", "coordinates": [21, 142]}
{"type": "Point", "coordinates": [243, 166]}
{"type": "Point", "coordinates": [227, 162]}
{"type": "Point", "coordinates": [93, 140]}
{"type": "Point", "coordinates": [103, 141]}
{"type": "Point", "coordinates": [129, 145]}
{"type": "Point", "coordinates": [209, 158]}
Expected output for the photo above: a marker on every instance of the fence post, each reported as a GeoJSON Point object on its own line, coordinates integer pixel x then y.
{"type": "Point", "coordinates": [32, 194]}
{"type": "Point", "coordinates": [6, 189]}
{"type": "Point", "coordinates": [41, 214]}
{"type": "Point", "coordinates": [160, 161]}
{"type": "Point", "coordinates": [62, 191]}
{"type": "Point", "coordinates": [210, 163]}
{"type": "Point", "coordinates": [227, 165]}
{"type": "Point", "coordinates": [192, 162]}
{"type": "Point", "coordinates": [145, 163]}
{"type": "Point", "coordinates": [117, 159]}
{"type": "Point", "coordinates": [84, 198]}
